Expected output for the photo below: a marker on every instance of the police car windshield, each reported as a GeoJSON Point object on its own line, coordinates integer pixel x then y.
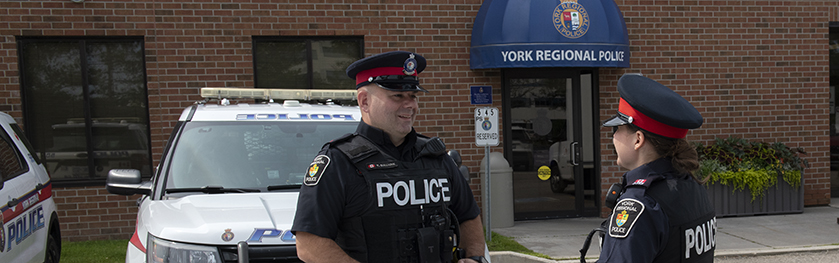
{"type": "Point", "coordinates": [247, 154]}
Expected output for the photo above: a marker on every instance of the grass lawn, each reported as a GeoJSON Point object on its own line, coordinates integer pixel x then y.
{"type": "Point", "coordinates": [503, 243]}
{"type": "Point", "coordinates": [98, 251]}
{"type": "Point", "coordinates": [107, 251]}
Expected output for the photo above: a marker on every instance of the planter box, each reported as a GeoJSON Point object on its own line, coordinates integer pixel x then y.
{"type": "Point", "coordinates": [779, 199]}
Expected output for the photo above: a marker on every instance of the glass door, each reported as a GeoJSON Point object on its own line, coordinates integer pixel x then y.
{"type": "Point", "coordinates": [550, 142]}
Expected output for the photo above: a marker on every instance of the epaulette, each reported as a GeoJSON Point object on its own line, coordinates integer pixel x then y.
{"type": "Point", "coordinates": [355, 147]}
{"type": "Point", "coordinates": [343, 138]}
{"type": "Point", "coordinates": [430, 146]}
{"type": "Point", "coordinates": [645, 182]}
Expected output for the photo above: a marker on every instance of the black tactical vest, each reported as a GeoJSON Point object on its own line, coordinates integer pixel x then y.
{"type": "Point", "coordinates": [693, 225]}
{"type": "Point", "coordinates": [407, 219]}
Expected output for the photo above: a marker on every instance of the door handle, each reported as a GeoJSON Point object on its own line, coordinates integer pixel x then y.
{"type": "Point", "coordinates": [12, 203]}
{"type": "Point", "coordinates": [574, 153]}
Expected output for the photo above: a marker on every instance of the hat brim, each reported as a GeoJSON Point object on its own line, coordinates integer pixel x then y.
{"type": "Point", "coordinates": [401, 87]}
{"type": "Point", "coordinates": [618, 120]}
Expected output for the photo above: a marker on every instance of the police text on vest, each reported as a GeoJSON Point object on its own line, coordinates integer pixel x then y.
{"type": "Point", "coordinates": [403, 192]}
{"type": "Point", "coordinates": [700, 239]}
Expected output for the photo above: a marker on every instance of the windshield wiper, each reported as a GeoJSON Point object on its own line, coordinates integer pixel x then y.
{"type": "Point", "coordinates": [212, 190]}
{"type": "Point", "coordinates": [283, 187]}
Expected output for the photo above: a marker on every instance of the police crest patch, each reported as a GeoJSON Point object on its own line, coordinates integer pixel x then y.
{"type": "Point", "coordinates": [316, 170]}
{"type": "Point", "coordinates": [624, 216]}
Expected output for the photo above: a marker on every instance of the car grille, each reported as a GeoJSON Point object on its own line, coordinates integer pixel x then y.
{"type": "Point", "coordinates": [259, 254]}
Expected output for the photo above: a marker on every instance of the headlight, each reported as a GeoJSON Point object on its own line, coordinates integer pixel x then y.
{"type": "Point", "coordinates": [165, 251]}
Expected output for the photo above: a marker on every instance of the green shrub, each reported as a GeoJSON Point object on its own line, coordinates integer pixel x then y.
{"type": "Point", "coordinates": [756, 165]}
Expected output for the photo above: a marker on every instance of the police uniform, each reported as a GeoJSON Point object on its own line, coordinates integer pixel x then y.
{"type": "Point", "coordinates": [380, 202]}
{"type": "Point", "coordinates": [662, 215]}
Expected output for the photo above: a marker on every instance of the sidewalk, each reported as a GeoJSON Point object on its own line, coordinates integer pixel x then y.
{"type": "Point", "coordinates": [815, 229]}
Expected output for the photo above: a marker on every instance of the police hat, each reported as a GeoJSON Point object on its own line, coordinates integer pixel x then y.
{"type": "Point", "coordinates": [654, 107]}
{"type": "Point", "coordinates": [394, 71]}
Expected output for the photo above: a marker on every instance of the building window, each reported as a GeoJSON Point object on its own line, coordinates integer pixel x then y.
{"type": "Point", "coordinates": [85, 105]}
{"type": "Point", "coordinates": [305, 63]}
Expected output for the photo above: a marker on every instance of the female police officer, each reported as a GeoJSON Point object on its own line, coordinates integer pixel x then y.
{"type": "Point", "coordinates": [386, 193]}
{"type": "Point", "coordinates": [663, 214]}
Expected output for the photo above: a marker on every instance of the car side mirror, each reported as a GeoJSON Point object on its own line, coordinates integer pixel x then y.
{"type": "Point", "coordinates": [126, 182]}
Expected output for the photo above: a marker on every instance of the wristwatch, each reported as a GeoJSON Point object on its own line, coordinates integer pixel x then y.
{"type": "Point", "coordinates": [479, 259]}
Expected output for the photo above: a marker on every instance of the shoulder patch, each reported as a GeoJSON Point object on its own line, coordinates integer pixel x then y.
{"type": "Point", "coordinates": [316, 170]}
{"type": "Point", "coordinates": [623, 217]}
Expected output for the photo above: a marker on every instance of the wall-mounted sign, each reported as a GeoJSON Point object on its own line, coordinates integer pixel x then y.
{"type": "Point", "coordinates": [481, 94]}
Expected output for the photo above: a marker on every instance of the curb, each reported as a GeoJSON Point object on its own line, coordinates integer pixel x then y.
{"type": "Point", "coordinates": [514, 257]}
{"type": "Point", "coordinates": [775, 251]}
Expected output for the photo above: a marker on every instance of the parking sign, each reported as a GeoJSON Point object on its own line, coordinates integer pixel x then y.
{"type": "Point", "coordinates": [486, 126]}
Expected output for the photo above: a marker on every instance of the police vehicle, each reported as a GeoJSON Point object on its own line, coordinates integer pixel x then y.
{"type": "Point", "coordinates": [226, 187]}
{"type": "Point", "coordinates": [29, 230]}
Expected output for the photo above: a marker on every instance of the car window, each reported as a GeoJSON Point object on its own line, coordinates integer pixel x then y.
{"type": "Point", "coordinates": [19, 132]}
{"type": "Point", "coordinates": [248, 154]}
{"type": "Point", "coordinates": [11, 162]}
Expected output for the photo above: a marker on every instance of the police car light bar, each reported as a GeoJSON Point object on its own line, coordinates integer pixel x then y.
{"type": "Point", "coordinates": [282, 94]}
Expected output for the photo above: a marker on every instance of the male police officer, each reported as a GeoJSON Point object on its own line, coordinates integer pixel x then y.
{"type": "Point", "coordinates": [663, 214]}
{"type": "Point", "coordinates": [386, 193]}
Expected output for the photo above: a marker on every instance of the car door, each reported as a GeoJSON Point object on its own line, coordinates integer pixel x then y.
{"type": "Point", "coordinates": [24, 220]}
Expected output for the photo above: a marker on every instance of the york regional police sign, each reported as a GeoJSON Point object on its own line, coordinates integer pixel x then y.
{"type": "Point", "coordinates": [565, 33]}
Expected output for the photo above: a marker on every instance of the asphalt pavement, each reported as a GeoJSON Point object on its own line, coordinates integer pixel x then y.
{"type": "Point", "coordinates": [814, 232]}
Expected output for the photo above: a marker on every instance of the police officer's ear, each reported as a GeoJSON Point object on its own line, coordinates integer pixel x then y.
{"type": "Point", "coordinates": [363, 98]}
{"type": "Point", "coordinates": [640, 139]}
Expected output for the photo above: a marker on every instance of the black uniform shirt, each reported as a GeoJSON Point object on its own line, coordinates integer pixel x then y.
{"type": "Point", "coordinates": [342, 193]}
{"type": "Point", "coordinates": [642, 232]}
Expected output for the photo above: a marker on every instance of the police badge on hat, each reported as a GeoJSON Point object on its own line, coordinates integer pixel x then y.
{"type": "Point", "coordinates": [410, 65]}
{"type": "Point", "coordinates": [316, 170]}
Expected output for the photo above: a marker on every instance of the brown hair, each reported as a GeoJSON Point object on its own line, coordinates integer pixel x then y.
{"type": "Point", "coordinates": [682, 155]}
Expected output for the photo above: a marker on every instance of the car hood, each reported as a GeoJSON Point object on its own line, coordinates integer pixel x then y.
{"type": "Point", "coordinates": [224, 219]}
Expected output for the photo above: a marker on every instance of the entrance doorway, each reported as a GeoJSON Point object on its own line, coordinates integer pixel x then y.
{"type": "Point", "coordinates": [552, 141]}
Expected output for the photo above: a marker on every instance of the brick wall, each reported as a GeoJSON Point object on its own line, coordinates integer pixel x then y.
{"type": "Point", "coordinates": [91, 213]}
{"type": "Point", "coordinates": [754, 69]}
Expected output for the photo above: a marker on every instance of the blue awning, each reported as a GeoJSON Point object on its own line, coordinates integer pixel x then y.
{"type": "Point", "coordinates": [549, 33]}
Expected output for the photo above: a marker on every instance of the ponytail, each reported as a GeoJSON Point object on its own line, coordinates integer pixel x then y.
{"type": "Point", "coordinates": [682, 155]}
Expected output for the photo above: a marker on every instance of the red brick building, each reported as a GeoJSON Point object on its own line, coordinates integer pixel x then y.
{"type": "Point", "coordinates": [754, 69]}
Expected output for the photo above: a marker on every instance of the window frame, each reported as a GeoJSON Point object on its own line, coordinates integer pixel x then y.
{"type": "Point", "coordinates": [28, 120]}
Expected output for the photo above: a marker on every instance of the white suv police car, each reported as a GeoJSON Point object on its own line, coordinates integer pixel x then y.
{"type": "Point", "coordinates": [29, 230]}
{"type": "Point", "coordinates": [226, 187]}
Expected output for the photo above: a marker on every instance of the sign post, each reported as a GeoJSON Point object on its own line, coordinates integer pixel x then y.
{"type": "Point", "coordinates": [486, 134]}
